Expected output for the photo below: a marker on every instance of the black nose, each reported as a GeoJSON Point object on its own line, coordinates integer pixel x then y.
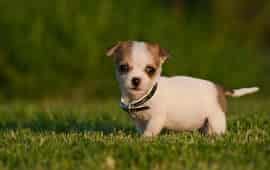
{"type": "Point", "coordinates": [136, 81]}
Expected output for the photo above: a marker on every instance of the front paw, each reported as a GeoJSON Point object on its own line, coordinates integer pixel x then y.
{"type": "Point", "coordinates": [148, 134]}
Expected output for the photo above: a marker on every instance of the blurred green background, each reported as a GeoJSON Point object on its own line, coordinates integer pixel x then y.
{"type": "Point", "coordinates": [56, 48]}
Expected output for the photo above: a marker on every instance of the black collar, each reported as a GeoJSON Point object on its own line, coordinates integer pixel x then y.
{"type": "Point", "coordinates": [136, 106]}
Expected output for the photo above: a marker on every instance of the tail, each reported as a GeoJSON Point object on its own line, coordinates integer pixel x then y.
{"type": "Point", "coordinates": [241, 92]}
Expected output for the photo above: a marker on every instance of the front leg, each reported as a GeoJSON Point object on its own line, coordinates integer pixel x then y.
{"type": "Point", "coordinates": [140, 125]}
{"type": "Point", "coordinates": [154, 126]}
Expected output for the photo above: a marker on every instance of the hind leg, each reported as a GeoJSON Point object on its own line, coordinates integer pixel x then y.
{"type": "Point", "coordinates": [217, 123]}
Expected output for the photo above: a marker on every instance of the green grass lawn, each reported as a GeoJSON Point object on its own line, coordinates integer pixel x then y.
{"type": "Point", "coordinates": [98, 135]}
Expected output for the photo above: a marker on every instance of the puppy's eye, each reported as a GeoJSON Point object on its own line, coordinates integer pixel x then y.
{"type": "Point", "coordinates": [123, 68]}
{"type": "Point", "coordinates": [150, 70]}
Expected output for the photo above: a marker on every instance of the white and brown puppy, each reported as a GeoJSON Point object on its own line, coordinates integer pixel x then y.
{"type": "Point", "coordinates": [177, 103]}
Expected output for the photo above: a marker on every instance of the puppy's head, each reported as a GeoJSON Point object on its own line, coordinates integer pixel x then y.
{"type": "Point", "coordinates": [138, 66]}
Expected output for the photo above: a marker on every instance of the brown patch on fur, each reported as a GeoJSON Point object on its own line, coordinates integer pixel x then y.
{"type": "Point", "coordinates": [221, 97]}
{"type": "Point", "coordinates": [228, 92]}
{"type": "Point", "coordinates": [120, 51]}
{"type": "Point", "coordinates": [151, 75]}
{"type": "Point", "coordinates": [205, 127]}
{"type": "Point", "coordinates": [159, 54]}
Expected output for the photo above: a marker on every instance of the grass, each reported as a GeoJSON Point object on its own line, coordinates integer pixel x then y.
{"type": "Point", "coordinates": [59, 46]}
{"type": "Point", "coordinates": [98, 135]}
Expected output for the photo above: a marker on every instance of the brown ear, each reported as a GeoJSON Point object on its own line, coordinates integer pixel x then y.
{"type": "Point", "coordinates": [111, 51]}
{"type": "Point", "coordinates": [156, 50]}
{"type": "Point", "coordinates": [163, 53]}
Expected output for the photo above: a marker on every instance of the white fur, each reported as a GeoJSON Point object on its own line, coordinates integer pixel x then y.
{"type": "Point", "coordinates": [180, 103]}
{"type": "Point", "coordinates": [244, 91]}
{"type": "Point", "coordinates": [183, 103]}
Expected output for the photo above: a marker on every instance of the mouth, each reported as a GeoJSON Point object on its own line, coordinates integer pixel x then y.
{"type": "Point", "coordinates": [135, 90]}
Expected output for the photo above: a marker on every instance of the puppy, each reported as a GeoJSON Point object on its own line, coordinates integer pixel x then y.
{"type": "Point", "coordinates": [177, 103]}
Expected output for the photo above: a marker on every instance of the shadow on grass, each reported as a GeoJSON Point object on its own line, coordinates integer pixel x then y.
{"type": "Point", "coordinates": [105, 126]}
